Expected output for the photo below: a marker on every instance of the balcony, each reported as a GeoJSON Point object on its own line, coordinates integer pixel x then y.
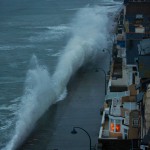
{"type": "Point", "coordinates": [117, 68]}
{"type": "Point", "coordinates": [104, 130]}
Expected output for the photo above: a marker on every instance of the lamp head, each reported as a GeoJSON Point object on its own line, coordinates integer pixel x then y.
{"type": "Point", "coordinates": [73, 131]}
{"type": "Point", "coordinates": [96, 70]}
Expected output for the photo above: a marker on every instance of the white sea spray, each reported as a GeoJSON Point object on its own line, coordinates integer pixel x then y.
{"type": "Point", "coordinates": [89, 36]}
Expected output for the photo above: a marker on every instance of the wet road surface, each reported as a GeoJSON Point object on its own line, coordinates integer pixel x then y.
{"type": "Point", "coordinates": [80, 108]}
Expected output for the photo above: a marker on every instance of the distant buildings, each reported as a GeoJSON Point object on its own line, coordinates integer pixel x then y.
{"type": "Point", "coordinates": [126, 112]}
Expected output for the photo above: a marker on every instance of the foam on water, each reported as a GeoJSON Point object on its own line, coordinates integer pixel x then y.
{"type": "Point", "coordinates": [58, 28]}
{"type": "Point", "coordinates": [38, 96]}
{"type": "Point", "coordinates": [52, 33]}
{"type": "Point", "coordinates": [7, 47]}
{"type": "Point", "coordinates": [56, 54]}
{"type": "Point", "coordinates": [89, 36]}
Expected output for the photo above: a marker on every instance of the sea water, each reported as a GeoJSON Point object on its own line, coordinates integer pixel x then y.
{"type": "Point", "coordinates": [42, 44]}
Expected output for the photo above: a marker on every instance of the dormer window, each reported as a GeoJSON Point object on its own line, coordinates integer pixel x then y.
{"type": "Point", "coordinates": [139, 16]}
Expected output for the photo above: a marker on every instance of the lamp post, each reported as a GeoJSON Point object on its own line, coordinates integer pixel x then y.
{"type": "Point", "coordinates": [97, 69]}
{"type": "Point", "coordinates": [105, 49]}
{"type": "Point", "coordinates": [75, 132]}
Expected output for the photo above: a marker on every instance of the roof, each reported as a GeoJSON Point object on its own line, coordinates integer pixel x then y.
{"type": "Point", "coordinates": [132, 51]}
{"type": "Point", "coordinates": [132, 1]}
{"type": "Point", "coordinates": [138, 7]}
{"type": "Point", "coordinates": [111, 95]}
{"type": "Point", "coordinates": [144, 66]}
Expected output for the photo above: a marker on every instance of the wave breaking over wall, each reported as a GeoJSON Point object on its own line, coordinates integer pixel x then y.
{"type": "Point", "coordinates": [89, 35]}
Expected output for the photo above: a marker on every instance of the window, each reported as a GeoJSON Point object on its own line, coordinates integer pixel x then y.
{"type": "Point", "coordinates": [112, 127]}
{"type": "Point", "coordinates": [125, 133]}
{"type": "Point", "coordinates": [126, 121]}
{"type": "Point", "coordinates": [135, 122]}
{"type": "Point", "coordinates": [117, 127]}
{"type": "Point", "coordinates": [125, 136]}
{"type": "Point", "coordinates": [139, 16]}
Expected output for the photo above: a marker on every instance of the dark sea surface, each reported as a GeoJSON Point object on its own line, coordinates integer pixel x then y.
{"type": "Point", "coordinates": [49, 51]}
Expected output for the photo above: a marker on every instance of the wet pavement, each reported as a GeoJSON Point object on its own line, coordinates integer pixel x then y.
{"type": "Point", "coordinates": [80, 108]}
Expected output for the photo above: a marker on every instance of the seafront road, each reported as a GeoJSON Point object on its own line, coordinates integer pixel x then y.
{"type": "Point", "coordinates": [80, 108]}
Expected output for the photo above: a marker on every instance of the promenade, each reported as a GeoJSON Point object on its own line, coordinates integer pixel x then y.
{"type": "Point", "coordinates": [86, 92]}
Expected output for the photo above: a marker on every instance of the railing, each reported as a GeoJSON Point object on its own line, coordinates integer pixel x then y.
{"type": "Point", "coordinates": [105, 133]}
{"type": "Point", "coordinates": [100, 132]}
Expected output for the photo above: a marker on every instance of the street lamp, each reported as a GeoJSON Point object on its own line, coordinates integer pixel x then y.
{"type": "Point", "coordinates": [97, 69]}
{"type": "Point", "coordinates": [104, 50]}
{"type": "Point", "coordinates": [75, 132]}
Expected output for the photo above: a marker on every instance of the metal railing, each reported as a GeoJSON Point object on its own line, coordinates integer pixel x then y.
{"type": "Point", "coordinates": [105, 133]}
